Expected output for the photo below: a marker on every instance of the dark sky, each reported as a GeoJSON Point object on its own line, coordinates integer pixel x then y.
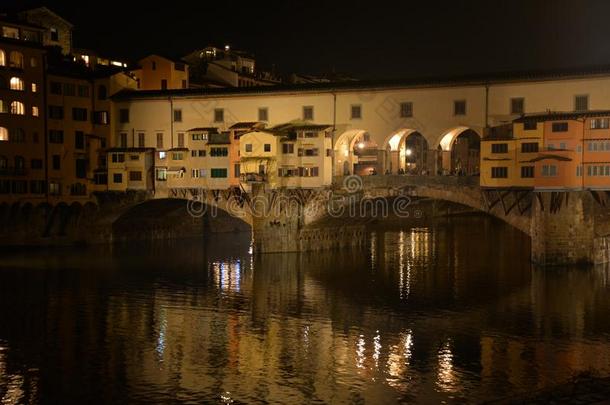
{"type": "Point", "coordinates": [371, 39]}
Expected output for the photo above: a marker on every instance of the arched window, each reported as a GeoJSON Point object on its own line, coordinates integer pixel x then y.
{"type": "Point", "coordinates": [17, 108]}
{"type": "Point", "coordinates": [102, 93]}
{"type": "Point", "coordinates": [17, 84]}
{"type": "Point", "coordinates": [3, 162]}
{"type": "Point", "coordinates": [2, 58]}
{"type": "Point", "coordinates": [16, 59]}
{"type": "Point", "coordinates": [3, 134]}
{"type": "Point", "coordinates": [17, 135]}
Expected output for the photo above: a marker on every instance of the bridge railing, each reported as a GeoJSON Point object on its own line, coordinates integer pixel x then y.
{"type": "Point", "coordinates": [396, 180]}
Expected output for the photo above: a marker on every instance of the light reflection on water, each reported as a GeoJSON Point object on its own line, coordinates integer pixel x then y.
{"type": "Point", "coordinates": [450, 312]}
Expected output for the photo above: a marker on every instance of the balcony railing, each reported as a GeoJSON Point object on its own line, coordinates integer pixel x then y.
{"type": "Point", "coordinates": [253, 178]}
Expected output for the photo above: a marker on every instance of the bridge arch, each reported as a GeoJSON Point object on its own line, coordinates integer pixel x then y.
{"type": "Point", "coordinates": [176, 217]}
{"type": "Point", "coordinates": [459, 151]}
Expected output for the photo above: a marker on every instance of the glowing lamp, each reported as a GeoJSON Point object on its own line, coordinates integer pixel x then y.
{"type": "Point", "coordinates": [361, 145]}
{"type": "Point", "coordinates": [409, 152]}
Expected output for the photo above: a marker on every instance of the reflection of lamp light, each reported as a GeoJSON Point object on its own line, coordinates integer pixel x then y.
{"type": "Point", "coordinates": [361, 145]}
{"type": "Point", "coordinates": [409, 152]}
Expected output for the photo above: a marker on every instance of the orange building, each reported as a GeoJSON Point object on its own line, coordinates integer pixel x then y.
{"type": "Point", "coordinates": [160, 73]}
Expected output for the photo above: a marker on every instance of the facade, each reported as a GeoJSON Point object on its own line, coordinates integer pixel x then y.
{"type": "Point", "coordinates": [160, 73]}
{"type": "Point", "coordinates": [57, 32]}
{"type": "Point", "coordinates": [555, 151]}
{"type": "Point", "coordinates": [22, 108]}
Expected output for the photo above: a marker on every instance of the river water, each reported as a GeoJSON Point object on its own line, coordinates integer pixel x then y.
{"type": "Point", "coordinates": [449, 312]}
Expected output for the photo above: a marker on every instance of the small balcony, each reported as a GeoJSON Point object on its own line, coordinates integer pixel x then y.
{"type": "Point", "coordinates": [253, 178]}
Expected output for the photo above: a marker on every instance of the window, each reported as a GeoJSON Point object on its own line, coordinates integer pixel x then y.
{"type": "Point", "coordinates": [37, 186]}
{"type": "Point", "coordinates": [311, 152]}
{"type": "Point", "coordinates": [3, 134]}
{"type": "Point", "coordinates": [356, 112]}
{"type": "Point", "coordinates": [459, 107]}
{"type": "Point", "coordinates": [83, 91]}
{"type": "Point", "coordinates": [179, 66]}
{"type": "Point", "coordinates": [308, 113]}
{"type": "Point", "coordinates": [33, 62]}
{"type": "Point", "coordinates": [162, 174]}
{"type": "Point", "coordinates": [35, 112]}
{"type": "Point", "coordinates": [102, 93]}
{"type": "Point", "coordinates": [193, 153]}
{"type": "Point", "coordinates": [288, 148]}
{"type": "Point", "coordinates": [164, 84]}
{"type": "Point", "coordinates": [54, 188]}
{"type": "Point", "coordinates": [17, 83]}
{"type": "Point", "coordinates": [236, 170]}
{"type": "Point", "coordinates": [579, 171]}
{"type": "Point", "coordinates": [36, 164]}
{"type": "Point", "coordinates": [310, 134]}
{"type": "Point", "coordinates": [499, 148]}
{"type": "Point", "coordinates": [562, 146]}
{"type": "Point", "coordinates": [219, 115]}
{"type": "Point", "coordinates": [153, 65]}
{"type": "Point", "coordinates": [263, 114]}
{"type": "Point", "coordinates": [135, 176]}
{"type": "Point", "coordinates": [10, 32]}
{"type": "Point", "coordinates": [181, 140]}
{"type": "Point", "coordinates": [200, 136]}
{"type": "Point", "coordinates": [308, 171]}
{"type": "Point", "coordinates": [600, 123]}
{"type": "Point", "coordinates": [79, 140]}
{"type": "Point", "coordinates": [529, 147]}
{"type": "Point", "coordinates": [517, 105]}
{"type": "Point", "coordinates": [124, 115]}
{"type": "Point", "coordinates": [218, 173]}
{"type": "Point", "coordinates": [56, 136]}
{"type": "Point", "coordinates": [267, 147]}
{"type": "Point", "coordinates": [530, 125]}
{"type": "Point", "coordinates": [288, 172]}
{"type": "Point", "coordinates": [34, 88]}
{"type": "Point", "coordinates": [195, 173]}
{"type": "Point", "coordinates": [162, 155]}
{"type": "Point", "coordinates": [406, 109]}
{"type": "Point", "coordinates": [79, 114]}
{"type": "Point", "coordinates": [560, 127]}
{"type": "Point", "coordinates": [159, 140]}
{"type": "Point", "coordinates": [55, 88]}
{"type": "Point", "coordinates": [134, 157]}
{"type": "Point", "coordinates": [177, 156]}
{"type": "Point", "coordinates": [2, 58]}
{"type": "Point", "coordinates": [122, 143]}
{"type": "Point", "coordinates": [201, 153]}
{"type": "Point", "coordinates": [141, 139]}
{"type": "Point", "coordinates": [499, 172]}
{"type": "Point", "coordinates": [20, 186]}
{"type": "Point", "coordinates": [581, 103]}
{"type": "Point", "coordinates": [17, 108]}
{"type": "Point", "coordinates": [56, 162]}
{"type": "Point", "coordinates": [19, 164]}
{"type": "Point", "coordinates": [184, 84]}
{"type": "Point", "coordinates": [218, 152]}
{"type": "Point", "coordinates": [177, 115]}
{"type": "Point", "coordinates": [78, 189]}
{"type": "Point", "coordinates": [527, 172]}
{"type": "Point", "coordinates": [248, 147]}
{"type": "Point", "coordinates": [16, 60]}
{"type": "Point", "coordinates": [69, 89]}
{"type": "Point", "coordinates": [100, 117]}
{"type": "Point", "coordinates": [17, 135]}
{"type": "Point", "coordinates": [54, 34]}
{"type": "Point", "coordinates": [117, 178]}
{"type": "Point", "coordinates": [56, 112]}
{"type": "Point", "coordinates": [549, 170]}
{"type": "Point", "coordinates": [80, 168]}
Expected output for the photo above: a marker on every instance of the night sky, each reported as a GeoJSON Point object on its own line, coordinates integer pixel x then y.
{"type": "Point", "coordinates": [372, 39]}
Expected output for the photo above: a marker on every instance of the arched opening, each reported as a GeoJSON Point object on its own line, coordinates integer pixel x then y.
{"type": "Point", "coordinates": [356, 153]}
{"type": "Point", "coordinates": [408, 153]}
{"type": "Point", "coordinates": [2, 58]}
{"type": "Point", "coordinates": [459, 152]}
{"type": "Point", "coordinates": [16, 60]}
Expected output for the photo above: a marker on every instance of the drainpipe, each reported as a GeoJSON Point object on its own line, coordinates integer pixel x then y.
{"type": "Point", "coordinates": [486, 105]}
{"type": "Point", "coordinates": [332, 138]}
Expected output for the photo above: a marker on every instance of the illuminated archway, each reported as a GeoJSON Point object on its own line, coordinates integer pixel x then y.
{"type": "Point", "coordinates": [407, 151]}
{"type": "Point", "coordinates": [356, 153]}
{"type": "Point", "coordinates": [459, 151]}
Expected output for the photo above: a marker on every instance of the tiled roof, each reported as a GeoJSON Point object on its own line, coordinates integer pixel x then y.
{"type": "Point", "coordinates": [245, 125]}
{"type": "Point", "coordinates": [421, 82]}
{"type": "Point", "coordinates": [564, 116]}
{"type": "Point", "coordinates": [212, 130]}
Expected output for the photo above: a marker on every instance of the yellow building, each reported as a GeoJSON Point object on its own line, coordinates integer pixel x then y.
{"type": "Point", "coordinates": [506, 155]}
{"type": "Point", "coordinates": [161, 73]}
{"type": "Point", "coordinates": [293, 155]}
{"type": "Point", "coordinates": [130, 169]}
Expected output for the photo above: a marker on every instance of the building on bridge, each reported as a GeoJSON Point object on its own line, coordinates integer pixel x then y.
{"type": "Point", "coordinates": [553, 151]}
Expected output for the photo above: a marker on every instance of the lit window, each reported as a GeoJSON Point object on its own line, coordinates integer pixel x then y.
{"type": "Point", "coordinates": [33, 62]}
{"type": "Point", "coordinates": [3, 134]}
{"type": "Point", "coordinates": [35, 111]}
{"type": "Point", "coordinates": [2, 58]}
{"type": "Point", "coordinates": [16, 60]}
{"type": "Point", "coordinates": [162, 155]}
{"type": "Point", "coordinates": [17, 108]}
{"type": "Point", "coordinates": [34, 88]}
{"type": "Point", "coordinates": [17, 84]}
{"type": "Point", "coordinates": [54, 34]}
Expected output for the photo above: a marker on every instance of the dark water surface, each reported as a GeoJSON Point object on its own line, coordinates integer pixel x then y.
{"type": "Point", "coordinates": [453, 313]}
